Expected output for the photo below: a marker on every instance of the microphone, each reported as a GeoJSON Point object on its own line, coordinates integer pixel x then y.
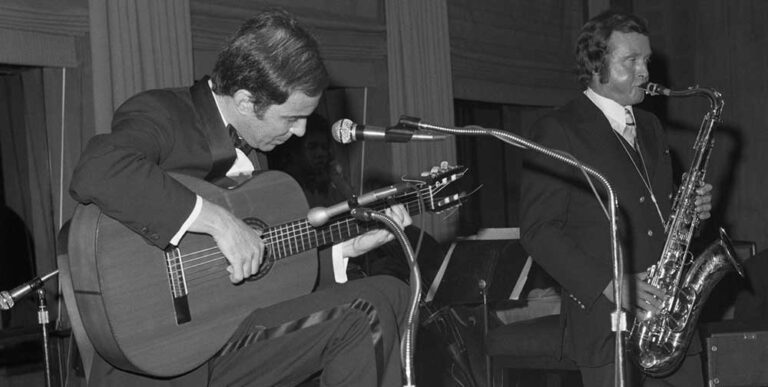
{"type": "Point", "coordinates": [9, 298]}
{"type": "Point", "coordinates": [318, 216]}
{"type": "Point", "coordinates": [345, 131]}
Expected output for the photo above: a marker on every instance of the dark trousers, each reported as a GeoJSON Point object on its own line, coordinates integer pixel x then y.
{"type": "Point", "coordinates": [689, 374]}
{"type": "Point", "coordinates": [351, 332]}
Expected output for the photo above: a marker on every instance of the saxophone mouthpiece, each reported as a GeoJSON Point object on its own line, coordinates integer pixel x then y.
{"type": "Point", "coordinates": [656, 89]}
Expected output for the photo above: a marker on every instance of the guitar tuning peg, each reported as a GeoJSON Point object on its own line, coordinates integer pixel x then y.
{"type": "Point", "coordinates": [434, 170]}
{"type": "Point", "coordinates": [443, 165]}
{"type": "Point", "coordinates": [424, 174]}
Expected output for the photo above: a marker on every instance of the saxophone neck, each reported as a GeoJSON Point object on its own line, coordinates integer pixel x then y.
{"type": "Point", "coordinates": [714, 96]}
{"type": "Point", "coordinates": [716, 101]}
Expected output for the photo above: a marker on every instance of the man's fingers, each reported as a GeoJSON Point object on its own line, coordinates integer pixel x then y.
{"type": "Point", "coordinates": [646, 307]}
{"type": "Point", "coordinates": [704, 189]}
{"type": "Point", "coordinates": [646, 288]}
{"type": "Point", "coordinates": [255, 264]}
{"type": "Point", "coordinates": [236, 273]}
{"type": "Point", "coordinates": [654, 303]}
{"type": "Point", "coordinates": [247, 271]}
{"type": "Point", "coordinates": [648, 297]}
{"type": "Point", "coordinates": [651, 299]}
{"type": "Point", "coordinates": [399, 214]}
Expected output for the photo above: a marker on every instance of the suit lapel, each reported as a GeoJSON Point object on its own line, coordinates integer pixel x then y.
{"type": "Point", "coordinates": [607, 144]}
{"type": "Point", "coordinates": [594, 123]}
{"type": "Point", "coordinates": [219, 143]}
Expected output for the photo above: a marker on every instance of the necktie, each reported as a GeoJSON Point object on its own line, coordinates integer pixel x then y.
{"type": "Point", "coordinates": [630, 129]}
{"type": "Point", "coordinates": [238, 141]}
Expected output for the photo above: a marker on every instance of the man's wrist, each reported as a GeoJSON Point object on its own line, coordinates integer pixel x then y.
{"type": "Point", "coordinates": [189, 222]}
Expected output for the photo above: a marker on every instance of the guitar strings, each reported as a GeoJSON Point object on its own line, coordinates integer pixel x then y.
{"type": "Point", "coordinates": [273, 242]}
{"type": "Point", "coordinates": [269, 242]}
{"type": "Point", "coordinates": [290, 229]}
{"type": "Point", "coordinates": [210, 274]}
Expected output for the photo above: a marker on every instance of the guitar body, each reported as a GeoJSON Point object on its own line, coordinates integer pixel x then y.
{"type": "Point", "coordinates": [123, 294]}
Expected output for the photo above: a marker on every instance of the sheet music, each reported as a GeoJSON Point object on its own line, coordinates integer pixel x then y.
{"type": "Point", "coordinates": [521, 280]}
{"type": "Point", "coordinates": [439, 276]}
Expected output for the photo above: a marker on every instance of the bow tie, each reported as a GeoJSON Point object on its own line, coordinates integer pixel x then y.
{"type": "Point", "coordinates": [238, 141]}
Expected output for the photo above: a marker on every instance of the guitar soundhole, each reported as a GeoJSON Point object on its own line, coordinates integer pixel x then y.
{"type": "Point", "coordinates": [268, 260]}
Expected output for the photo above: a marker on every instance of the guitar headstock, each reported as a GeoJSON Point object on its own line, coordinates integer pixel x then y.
{"type": "Point", "coordinates": [434, 187]}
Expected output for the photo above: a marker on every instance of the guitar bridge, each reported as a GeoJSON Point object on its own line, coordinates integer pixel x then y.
{"type": "Point", "coordinates": [178, 285]}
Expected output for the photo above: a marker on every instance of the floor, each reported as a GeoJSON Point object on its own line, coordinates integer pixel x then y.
{"type": "Point", "coordinates": [21, 357]}
{"type": "Point", "coordinates": [22, 376]}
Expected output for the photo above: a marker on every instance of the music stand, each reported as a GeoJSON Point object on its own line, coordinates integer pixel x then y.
{"type": "Point", "coordinates": [475, 268]}
{"type": "Point", "coordinates": [481, 271]}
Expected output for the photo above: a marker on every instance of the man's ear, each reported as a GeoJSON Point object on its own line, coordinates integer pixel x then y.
{"type": "Point", "coordinates": [243, 102]}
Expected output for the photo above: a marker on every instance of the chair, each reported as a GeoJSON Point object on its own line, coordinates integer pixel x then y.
{"type": "Point", "coordinates": [528, 345]}
{"type": "Point", "coordinates": [482, 270]}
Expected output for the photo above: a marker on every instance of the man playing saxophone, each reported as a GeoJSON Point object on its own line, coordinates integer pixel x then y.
{"type": "Point", "coordinates": [563, 226]}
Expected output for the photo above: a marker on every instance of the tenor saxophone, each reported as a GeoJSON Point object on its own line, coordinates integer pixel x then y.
{"type": "Point", "coordinates": [658, 342]}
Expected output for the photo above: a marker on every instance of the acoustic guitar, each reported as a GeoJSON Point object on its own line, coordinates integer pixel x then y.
{"type": "Point", "coordinates": [165, 312]}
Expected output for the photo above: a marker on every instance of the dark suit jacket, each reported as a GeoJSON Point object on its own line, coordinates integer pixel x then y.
{"type": "Point", "coordinates": [566, 231]}
{"type": "Point", "coordinates": [123, 172]}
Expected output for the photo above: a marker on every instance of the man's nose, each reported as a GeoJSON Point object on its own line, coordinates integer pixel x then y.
{"type": "Point", "coordinates": [299, 128]}
{"type": "Point", "coordinates": [642, 70]}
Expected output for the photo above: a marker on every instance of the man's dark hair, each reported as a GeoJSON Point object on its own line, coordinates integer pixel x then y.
{"type": "Point", "coordinates": [592, 43]}
{"type": "Point", "coordinates": [271, 56]}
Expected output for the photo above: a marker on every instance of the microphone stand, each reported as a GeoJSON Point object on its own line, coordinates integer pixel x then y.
{"type": "Point", "coordinates": [618, 318]}
{"type": "Point", "coordinates": [42, 319]}
{"type": "Point", "coordinates": [408, 345]}
{"type": "Point", "coordinates": [9, 299]}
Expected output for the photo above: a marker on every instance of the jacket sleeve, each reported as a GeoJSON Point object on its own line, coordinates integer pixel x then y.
{"type": "Point", "coordinates": [121, 172]}
{"type": "Point", "coordinates": [547, 212]}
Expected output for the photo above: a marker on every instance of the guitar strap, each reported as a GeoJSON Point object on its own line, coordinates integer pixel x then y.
{"type": "Point", "coordinates": [219, 142]}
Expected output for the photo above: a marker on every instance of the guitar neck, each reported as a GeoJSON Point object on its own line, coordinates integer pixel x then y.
{"type": "Point", "coordinates": [295, 237]}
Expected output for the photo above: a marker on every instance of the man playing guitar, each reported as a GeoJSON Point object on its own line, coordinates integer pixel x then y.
{"type": "Point", "coordinates": [266, 81]}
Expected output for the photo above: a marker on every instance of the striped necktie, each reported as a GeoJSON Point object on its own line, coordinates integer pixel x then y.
{"type": "Point", "coordinates": [630, 129]}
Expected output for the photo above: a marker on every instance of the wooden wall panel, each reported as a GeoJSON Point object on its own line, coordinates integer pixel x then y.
{"type": "Point", "coordinates": [63, 17]}
{"type": "Point", "coordinates": [720, 44]}
{"type": "Point", "coordinates": [42, 32]}
{"type": "Point", "coordinates": [516, 52]}
{"type": "Point", "coordinates": [345, 30]}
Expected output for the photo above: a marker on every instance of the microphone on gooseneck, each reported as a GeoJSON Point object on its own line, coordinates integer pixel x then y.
{"type": "Point", "coordinates": [345, 131]}
{"type": "Point", "coordinates": [9, 298]}
{"type": "Point", "coordinates": [318, 216]}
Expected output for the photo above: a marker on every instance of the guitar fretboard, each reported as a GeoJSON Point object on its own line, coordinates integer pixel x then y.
{"type": "Point", "coordinates": [297, 236]}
